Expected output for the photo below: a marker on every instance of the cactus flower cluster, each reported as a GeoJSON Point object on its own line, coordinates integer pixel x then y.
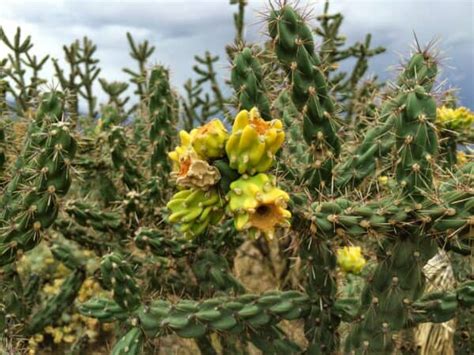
{"type": "Point", "coordinates": [350, 259]}
{"type": "Point", "coordinates": [454, 119]}
{"type": "Point", "coordinates": [254, 200]}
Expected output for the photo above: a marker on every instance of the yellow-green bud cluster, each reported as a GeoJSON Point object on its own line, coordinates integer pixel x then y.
{"type": "Point", "coordinates": [254, 200]}
{"type": "Point", "coordinates": [454, 119]}
{"type": "Point", "coordinates": [209, 140]}
{"type": "Point", "coordinates": [253, 142]}
{"type": "Point", "coordinates": [194, 209]}
{"type": "Point", "coordinates": [350, 259]}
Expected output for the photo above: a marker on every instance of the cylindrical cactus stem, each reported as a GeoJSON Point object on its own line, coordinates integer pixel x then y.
{"type": "Point", "coordinates": [162, 115]}
{"type": "Point", "coordinates": [3, 97]}
{"type": "Point", "coordinates": [57, 304]}
{"type": "Point", "coordinates": [213, 274]}
{"type": "Point", "coordinates": [396, 283]}
{"type": "Point", "coordinates": [130, 344]}
{"type": "Point", "coordinates": [130, 174]}
{"type": "Point", "coordinates": [65, 255]}
{"type": "Point", "coordinates": [118, 276]}
{"type": "Point", "coordinates": [378, 142]}
{"type": "Point", "coordinates": [247, 79]}
{"type": "Point", "coordinates": [34, 193]}
{"type": "Point", "coordinates": [159, 244]}
{"type": "Point", "coordinates": [88, 215]}
{"type": "Point", "coordinates": [3, 157]}
{"type": "Point", "coordinates": [49, 112]}
{"type": "Point", "coordinates": [294, 47]}
{"type": "Point", "coordinates": [439, 307]}
{"type": "Point", "coordinates": [236, 315]}
{"type": "Point", "coordinates": [319, 261]}
{"type": "Point", "coordinates": [417, 142]}
{"type": "Point", "coordinates": [81, 235]}
{"type": "Point", "coordinates": [294, 155]}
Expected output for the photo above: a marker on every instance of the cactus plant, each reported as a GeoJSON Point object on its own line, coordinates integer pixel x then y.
{"type": "Point", "coordinates": [122, 230]}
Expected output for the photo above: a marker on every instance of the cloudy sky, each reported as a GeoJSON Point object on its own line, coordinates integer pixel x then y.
{"type": "Point", "coordinates": [182, 28]}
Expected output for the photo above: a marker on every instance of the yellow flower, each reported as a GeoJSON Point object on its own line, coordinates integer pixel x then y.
{"type": "Point", "coordinates": [196, 173]}
{"type": "Point", "coordinates": [253, 142]}
{"type": "Point", "coordinates": [183, 151]}
{"type": "Point", "coordinates": [454, 119]}
{"type": "Point", "coordinates": [258, 205]}
{"type": "Point", "coordinates": [69, 338]}
{"type": "Point", "coordinates": [350, 259]}
{"type": "Point", "coordinates": [89, 288]}
{"type": "Point", "coordinates": [108, 327]}
{"type": "Point", "coordinates": [209, 140]}
{"type": "Point", "coordinates": [54, 288]}
{"type": "Point", "coordinates": [38, 338]}
{"type": "Point", "coordinates": [57, 335]}
{"type": "Point", "coordinates": [462, 158]}
{"type": "Point", "coordinates": [383, 180]}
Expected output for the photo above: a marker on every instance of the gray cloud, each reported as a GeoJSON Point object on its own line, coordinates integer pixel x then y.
{"type": "Point", "coordinates": [182, 28]}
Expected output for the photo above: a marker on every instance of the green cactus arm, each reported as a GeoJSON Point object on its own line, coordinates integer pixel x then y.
{"type": "Point", "coordinates": [88, 72]}
{"type": "Point", "coordinates": [208, 74]}
{"type": "Point", "coordinates": [163, 118]}
{"type": "Point", "coordinates": [272, 340]}
{"type": "Point", "coordinates": [159, 244]}
{"type": "Point", "coordinates": [114, 90]}
{"type": "Point", "coordinates": [450, 211]}
{"type": "Point", "coordinates": [380, 140]}
{"type": "Point", "coordinates": [294, 48]}
{"type": "Point", "coordinates": [191, 319]}
{"type": "Point", "coordinates": [81, 236]}
{"type": "Point", "coordinates": [130, 344]}
{"type": "Point", "coordinates": [239, 19]}
{"type": "Point", "coordinates": [247, 81]}
{"type": "Point", "coordinates": [103, 309]}
{"type": "Point", "coordinates": [20, 48]}
{"type": "Point", "coordinates": [130, 174]}
{"type": "Point", "coordinates": [88, 215]}
{"type": "Point", "coordinates": [213, 273]}
{"type": "Point", "coordinates": [118, 276]}
{"type": "Point", "coordinates": [64, 254]}
{"type": "Point", "coordinates": [50, 178]}
{"type": "Point", "coordinates": [141, 52]}
{"type": "Point", "coordinates": [58, 303]}
{"type": "Point", "coordinates": [440, 307]}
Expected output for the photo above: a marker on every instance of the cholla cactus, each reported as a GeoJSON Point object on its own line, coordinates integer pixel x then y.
{"type": "Point", "coordinates": [91, 239]}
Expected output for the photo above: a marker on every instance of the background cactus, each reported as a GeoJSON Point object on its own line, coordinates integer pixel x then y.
{"type": "Point", "coordinates": [132, 223]}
